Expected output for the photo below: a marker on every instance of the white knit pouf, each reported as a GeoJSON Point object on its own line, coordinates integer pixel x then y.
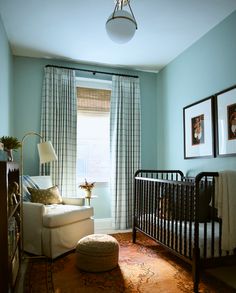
{"type": "Point", "coordinates": [97, 253]}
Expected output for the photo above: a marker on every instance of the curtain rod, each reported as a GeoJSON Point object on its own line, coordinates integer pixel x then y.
{"type": "Point", "coordinates": [92, 71]}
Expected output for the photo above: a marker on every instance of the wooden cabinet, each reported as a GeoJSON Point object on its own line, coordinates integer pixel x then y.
{"type": "Point", "coordinates": [10, 225]}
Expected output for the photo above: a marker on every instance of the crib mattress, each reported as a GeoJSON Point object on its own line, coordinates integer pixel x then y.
{"type": "Point", "coordinates": [176, 230]}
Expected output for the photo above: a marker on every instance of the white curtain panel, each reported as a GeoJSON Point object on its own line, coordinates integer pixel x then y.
{"type": "Point", "coordinates": [125, 147]}
{"type": "Point", "coordinates": [58, 124]}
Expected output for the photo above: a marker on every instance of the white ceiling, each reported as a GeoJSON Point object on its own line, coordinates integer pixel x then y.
{"type": "Point", "coordinates": [75, 29]}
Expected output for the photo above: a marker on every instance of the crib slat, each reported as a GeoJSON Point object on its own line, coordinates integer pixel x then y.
{"type": "Point", "coordinates": [191, 190]}
{"type": "Point", "coordinates": [173, 209]}
{"type": "Point", "coordinates": [139, 201]}
{"type": "Point", "coordinates": [180, 224]}
{"type": "Point", "coordinates": [205, 241]}
{"type": "Point", "coordinates": [149, 207]}
{"type": "Point", "coordinates": [159, 210]}
{"type": "Point", "coordinates": [176, 226]}
{"type": "Point", "coordinates": [152, 208]}
{"type": "Point", "coordinates": [155, 209]}
{"type": "Point", "coordinates": [164, 212]}
{"type": "Point", "coordinates": [160, 223]}
{"type": "Point", "coordinates": [169, 216]}
{"type": "Point", "coordinates": [145, 206]}
{"type": "Point", "coordinates": [212, 226]}
{"type": "Point", "coordinates": [185, 195]}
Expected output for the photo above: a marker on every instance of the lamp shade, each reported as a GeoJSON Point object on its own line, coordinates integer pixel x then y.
{"type": "Point", "coordinates": [121, 26]}
{"type": "Point", "coordinates": [46, 152]}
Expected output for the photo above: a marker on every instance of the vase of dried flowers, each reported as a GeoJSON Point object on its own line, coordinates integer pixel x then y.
{"type": "Point", "coordinates": [9, 154]}
{"type": "Point", "coordinates": [88, 193]}
{"type": "Point", "coordinates": [87, 188]}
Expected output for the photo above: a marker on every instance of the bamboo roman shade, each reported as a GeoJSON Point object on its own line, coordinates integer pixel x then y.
{"type": "Point", "coordinates": [96, 100]}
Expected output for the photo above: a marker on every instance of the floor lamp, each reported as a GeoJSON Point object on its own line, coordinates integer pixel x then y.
{"type": "Point", "coordinates": [46, 154]}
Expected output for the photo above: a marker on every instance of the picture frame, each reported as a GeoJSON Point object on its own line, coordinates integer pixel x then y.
{"type": "Point", "coordinates": [226, 122]}
{"type": "Point", "coordinates": [198, 124]}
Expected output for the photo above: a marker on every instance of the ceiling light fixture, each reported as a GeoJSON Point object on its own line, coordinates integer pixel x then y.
{"type": "Point", "coordinates": [121, 24]}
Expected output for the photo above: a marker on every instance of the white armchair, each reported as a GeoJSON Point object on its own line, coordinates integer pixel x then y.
{"type": "Point", "coordinates": [52, 230]}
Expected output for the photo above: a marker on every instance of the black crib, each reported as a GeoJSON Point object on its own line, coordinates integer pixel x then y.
{"type": "Point", "coordinates": [179, 213]}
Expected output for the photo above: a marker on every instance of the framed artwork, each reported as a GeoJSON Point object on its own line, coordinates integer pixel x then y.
{"type": "Point", "coordinates": [226, 122]}
{"type": "Point", "coordinates": [198, 129]}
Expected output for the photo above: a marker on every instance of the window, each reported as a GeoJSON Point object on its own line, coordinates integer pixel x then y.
{"type": "Point", "coordinates": [93, 133]}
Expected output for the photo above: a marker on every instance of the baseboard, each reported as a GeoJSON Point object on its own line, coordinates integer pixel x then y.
{"type": "Point", "coordinates": [104, 226]}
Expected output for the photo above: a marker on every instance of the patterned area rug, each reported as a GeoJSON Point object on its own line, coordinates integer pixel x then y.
{"type": "Point", "coordinates": [144, 267]}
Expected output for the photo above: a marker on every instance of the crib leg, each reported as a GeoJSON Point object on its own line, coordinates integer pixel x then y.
{"type": "Point", "coordinates": [196, 269]}
{"type": "Point", "coordinates": [134, 235]}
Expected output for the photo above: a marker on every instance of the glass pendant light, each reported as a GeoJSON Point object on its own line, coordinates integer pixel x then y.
{"type": "Point", "coordinates": [121, 24]}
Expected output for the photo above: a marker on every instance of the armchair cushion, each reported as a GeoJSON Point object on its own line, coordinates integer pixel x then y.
{"type": "Point", "coordinates": [46, 196]}
{"type": "Point", "coordinates": [61, 215]}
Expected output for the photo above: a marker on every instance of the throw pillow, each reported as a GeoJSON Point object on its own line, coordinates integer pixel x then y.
{"type": "Point", "coordinates": [46, 196]}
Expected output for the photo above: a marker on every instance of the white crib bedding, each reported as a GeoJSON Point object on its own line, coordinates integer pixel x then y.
{"type": "Point", "coordinates": [165, 226]}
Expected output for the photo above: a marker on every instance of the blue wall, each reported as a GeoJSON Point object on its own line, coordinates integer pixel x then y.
{"type": "Point", "coordinates": [205, 68]}
{"type": "Point", "coordinates": [6, 112]}
{"type": "Point", "coordinates": [28, 79]}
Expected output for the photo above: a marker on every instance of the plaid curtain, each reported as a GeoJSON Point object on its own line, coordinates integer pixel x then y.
{"type": "Point", "coordinates": [125, 147]}
{"type": "Point", "coordinates": [58, 124]}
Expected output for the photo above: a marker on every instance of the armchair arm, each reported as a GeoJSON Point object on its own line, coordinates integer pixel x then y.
{"type": "Point", "coordinates": [32, 227]}
{"type": "Point", "coordinates": [73, 201]}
